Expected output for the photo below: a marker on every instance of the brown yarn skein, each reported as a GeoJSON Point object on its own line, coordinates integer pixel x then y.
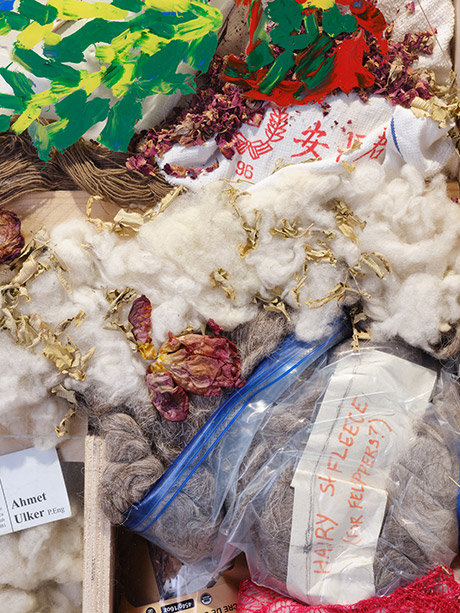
{"type": "Point", "coordinates": [85, 165]}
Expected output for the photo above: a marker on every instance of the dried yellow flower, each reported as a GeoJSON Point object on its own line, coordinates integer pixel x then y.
{"type": "Point", "coordinates": [276, 304]}
{"type": "Point", "coordinates": [320, 253]}
{"type": "Point", "coordinates": [301, 279]}
{"type": "Point", "coordinates": [31, 331]}
{"type": "Point", "coordinates": [69, 396]}
{"type": "Point", "coordinates": [252, 232]}
{"type": "Point", "coordinates": [346, 221]}
{"type": "Point", "coordinates": [376, 262]}
{"type": "Point", "coordinates": [357, 317]}
{"type": "Point", "coordinates": [290, 229]}
{"type": "Point", "coordinates": [219, 278]}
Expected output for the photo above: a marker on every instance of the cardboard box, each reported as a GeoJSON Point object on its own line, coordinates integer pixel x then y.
{"type": "Point", "coordinates": [48, 209]}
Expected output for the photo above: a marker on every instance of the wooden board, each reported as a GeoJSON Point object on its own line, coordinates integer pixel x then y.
{"type": "Point", "coordinates": [52, 208]}
{"type": "Point", "coordinates": [99, 550]}
{"type": "Point", "coordinates": [453, 188]}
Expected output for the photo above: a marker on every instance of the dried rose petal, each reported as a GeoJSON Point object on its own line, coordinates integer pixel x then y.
{"type": "Point", "coordinates": [394, 76]}
{"type": "Point", "coordinates": [215, 328]}
{"type": "Point", "coordinates": [11, 239]}
{"type": "Point", "coordinates": [140, 319]}
{"type": "Point", "coordinates": [201, 364]}
{"type": "Point", "coordinates": [170, 400]}
{"type": "Point", "coordinates": [217, 110]}
{"type": "Point", "coordinates": [175, 170]}
{"type": "Point", "coordinates": [139, 163]}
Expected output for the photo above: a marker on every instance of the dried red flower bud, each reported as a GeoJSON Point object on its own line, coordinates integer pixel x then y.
{"type": "Point", "coordinates": [170, 400]}
{"type": "Point", "coordinates": [190, 363]}
{"type": "Point", "coordinates": [140, 319]}
{"type": "Point", "coordinates": [11, 239]}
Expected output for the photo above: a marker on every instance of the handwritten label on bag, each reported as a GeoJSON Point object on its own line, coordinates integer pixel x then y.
{"type": "Point", "coordinates": [363, 424]}
{"type": "Point", "coordinates": [32, 490]}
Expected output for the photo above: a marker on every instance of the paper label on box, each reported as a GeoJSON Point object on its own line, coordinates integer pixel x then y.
{"type": "Point", "coordinates": [363, 425]}
{"type": "Point", "coordinates": [32, 490]}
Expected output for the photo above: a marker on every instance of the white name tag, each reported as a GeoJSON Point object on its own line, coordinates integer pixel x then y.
{"type": "Point", "coordinates": [32, 490]}
{"type": "Point", "coordinates": [363, 425]}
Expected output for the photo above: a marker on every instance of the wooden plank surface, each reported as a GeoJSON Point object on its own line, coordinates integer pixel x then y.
{"type": "Point", "coordinates": [52, 208]}
{"type": "Point", "coordinates": [453, 187]}
{"type": "Point", "coordinates": [99, 550]}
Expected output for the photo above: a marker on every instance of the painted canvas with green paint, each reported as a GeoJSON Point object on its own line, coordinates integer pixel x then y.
{"type": "Point", "coordinates": [94, 63]}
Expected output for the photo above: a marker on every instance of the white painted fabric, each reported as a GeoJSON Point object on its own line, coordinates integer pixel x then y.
{"type": "Point", "coordinates": [351, 132]}
{"type": "Point", "coordinates": [155, 108]}
{"type": "Point", "coordinates": [303, 134]}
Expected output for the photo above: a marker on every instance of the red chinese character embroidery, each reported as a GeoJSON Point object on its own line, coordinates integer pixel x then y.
{"type": "Point", "coordinates": [311, 143]}
{"type": "Point", "coordinates": [377, 148]}
{"type": "Point", "coordinates": [352, 138]}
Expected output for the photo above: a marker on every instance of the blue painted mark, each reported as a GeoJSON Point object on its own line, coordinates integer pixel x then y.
{"type": "Point", "coordinates": [6, 5]}
{"type": "Point", "coordinates": [393, 134]}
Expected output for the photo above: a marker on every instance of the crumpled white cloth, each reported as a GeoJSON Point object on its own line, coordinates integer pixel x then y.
{"type": "Point", "coordinates": [352, 131]}
{"type": "Point", "coordinates": [388, 134]}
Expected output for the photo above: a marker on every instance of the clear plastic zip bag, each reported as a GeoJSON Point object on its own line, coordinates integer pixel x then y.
{"type": "Point", "coordinates": [340, 485]}
{"type": "Point", "coordinates": [359, 499]}
{"type": "Point", "coordinates": [183, 512]}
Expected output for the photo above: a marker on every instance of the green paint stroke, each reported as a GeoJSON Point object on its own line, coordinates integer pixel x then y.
{"type": "Point", "coordinates": [139, 46]}
{"type": "Point", "coordinates": [334, 23]}
{"type": "Point", "coordinates": [12, 21]}
{"type": "Point", "coordinates": [41, 13]}
{"type": "Point", "coordinates": [296, 58]}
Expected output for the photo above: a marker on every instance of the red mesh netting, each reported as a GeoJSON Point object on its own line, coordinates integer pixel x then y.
{"type": "Point", "coordinates": [438, 592]}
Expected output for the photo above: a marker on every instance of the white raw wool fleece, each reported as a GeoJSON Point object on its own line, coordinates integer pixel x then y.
{"type": "Point", "coordinates": [26, 407]}
{"type": "Point", "coordinates": [172, 257]}
{"type": "Point", "coordinates": [24, 381]}
{"type": "Point", "coordinates": [41, 569]}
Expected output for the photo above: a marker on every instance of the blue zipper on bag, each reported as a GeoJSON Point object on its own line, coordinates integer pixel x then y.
{"type": "Point", "coordinates": [171, 475]}
{"type": "Point", "coordinates": [289, 350]}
